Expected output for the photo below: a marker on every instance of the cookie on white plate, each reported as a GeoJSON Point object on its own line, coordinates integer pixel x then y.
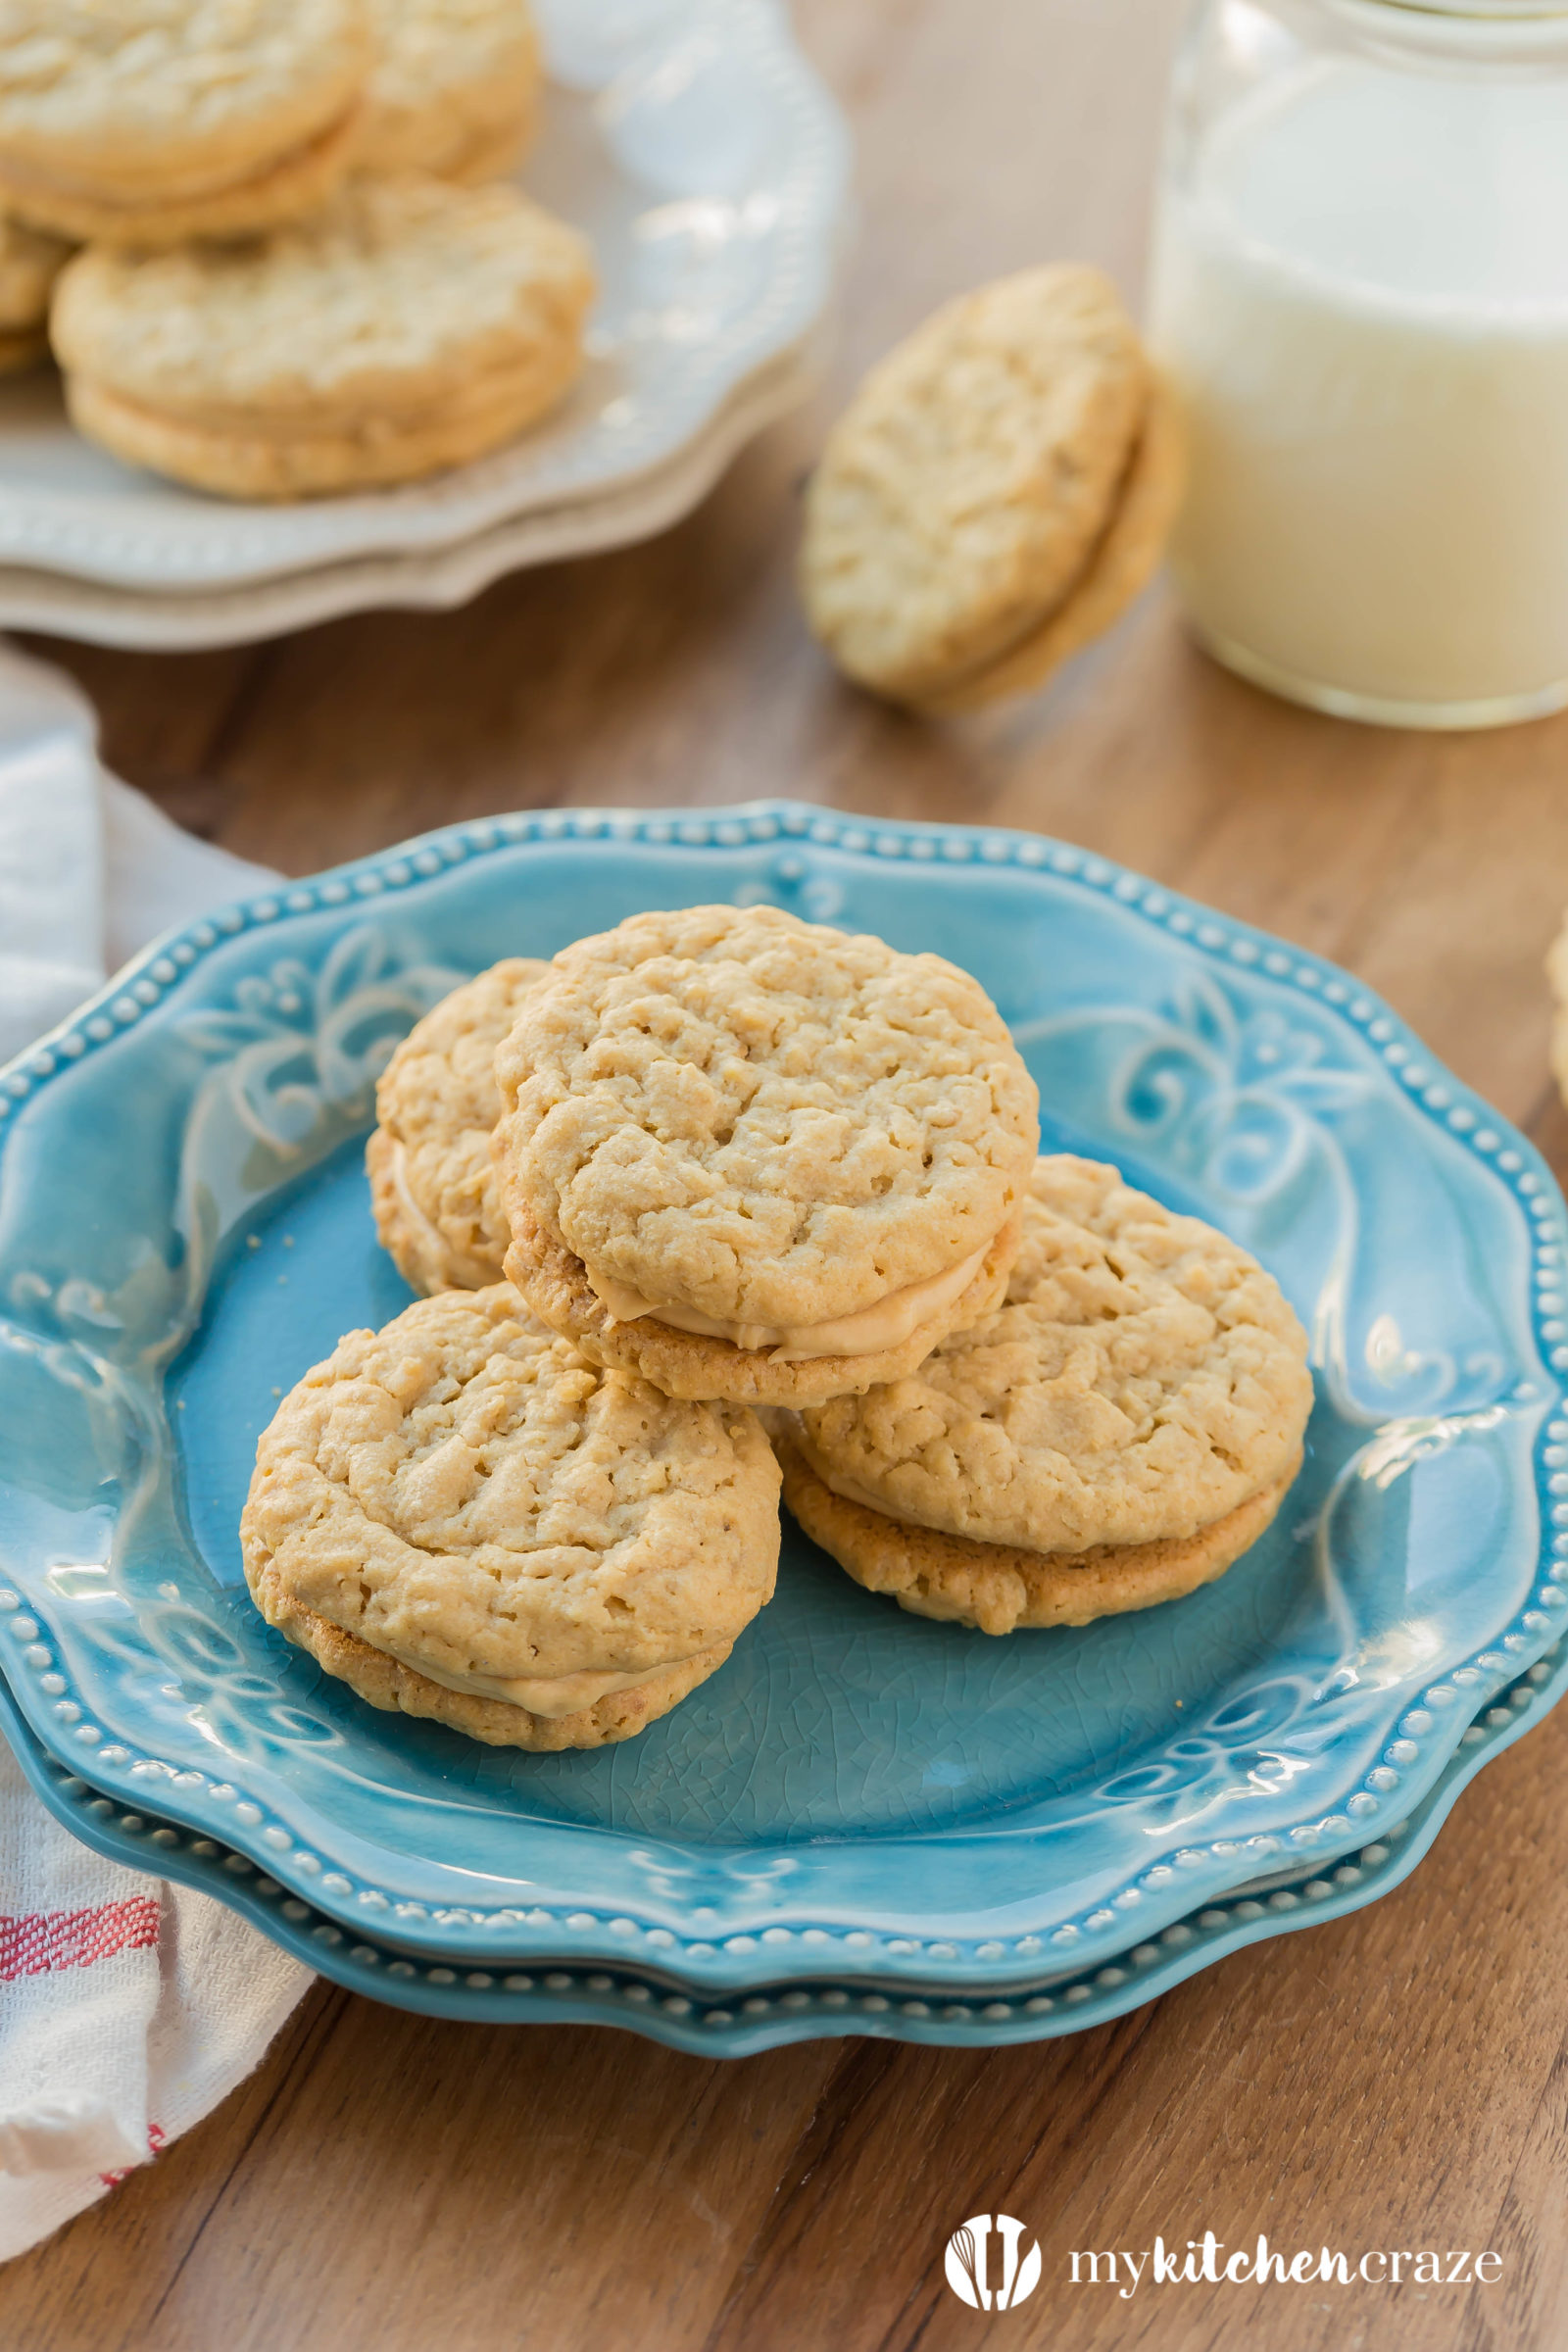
{"type": "Point", "coordinates": [455, 88]}
{"type": "Point", "coordinates": [412, 326]}
{"type": "Point", "coordinates": [147, 121]}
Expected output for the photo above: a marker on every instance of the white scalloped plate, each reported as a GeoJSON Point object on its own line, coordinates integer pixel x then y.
{"type": "Point", "coordinates": [693, 145]}
{"type": "Point", "coordinates": [184, 620]}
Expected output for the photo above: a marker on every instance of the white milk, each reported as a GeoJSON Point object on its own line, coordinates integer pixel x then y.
{"type": "Point", "coordinates": [1363, 297]}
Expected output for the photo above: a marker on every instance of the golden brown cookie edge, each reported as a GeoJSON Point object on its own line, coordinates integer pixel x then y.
{"type": "Point", "coordinates": [283, 189]}
{"type": "Point", "coordinates": [969, 643]}
{"type": "Point", "coordinates": [255, 467]}
{"type": "Point", "coordinates": [386, 1684]}
{"type": "Point", "coordinates": [998, 1589]}
{"type": "Point", "coordinates": [555, 1282]}
{"type": "Point", "coordinates": [1118, 570]}
{"type": "Point", "coordinates": [410, 1246]}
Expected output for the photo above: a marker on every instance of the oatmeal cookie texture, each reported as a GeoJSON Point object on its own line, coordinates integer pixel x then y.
{"type": "Point", "coordinates": [455, 89]}
{"type": "Point", "coordinates": [433, 1183]}
{"type": "Point", "coordinates": [1124, 561]}
{"type": "Point", "coordinates": [532, 1550]}
{"type": "Point", "coordinates": [689, 1364]}
{"type": "Point", "coordinates": [994, 495]}
{"type": "Point", "coordinates": [412, 326]}
{"type": "Point", "coordinates": [145, 121]}
{"type": "Point", "coordinates": [767, 1123]}
{"type": "Point", "coordinates": [1003, 1588]}
{"type": "Point", "coordinates": [1145, 1379]}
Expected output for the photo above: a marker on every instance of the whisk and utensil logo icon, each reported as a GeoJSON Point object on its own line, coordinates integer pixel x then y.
{"type": "Point", "coordinates": [990, 2279]}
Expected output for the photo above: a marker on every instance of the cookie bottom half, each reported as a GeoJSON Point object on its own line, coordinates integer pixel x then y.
{"type": "Point", "coordinates": [398, 1689]}
{"type": "Point", "coordinates": [235, 462]}
{"type": "Point", "coordinates": [998, 1589]}
{"type": "Point", "coordinates": [472, 135]}
{"type": "Point", "coordinates": [683, 1363]}
{"type": "Point", "coordinates": [493, 157]}
{"type": "Point", "coordinates": [286, 188]}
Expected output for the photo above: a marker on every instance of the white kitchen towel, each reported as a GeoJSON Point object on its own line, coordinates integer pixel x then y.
{"type": "Point", "coordinates": [89, 870]}
{"type": "Point", "coordinates": [128, 2006]}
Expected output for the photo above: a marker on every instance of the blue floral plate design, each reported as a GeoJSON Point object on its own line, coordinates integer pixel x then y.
{"type": "Point", "coordinates": [760, 2017]}
{"type": "Point", "coordinates": [858, 1795]}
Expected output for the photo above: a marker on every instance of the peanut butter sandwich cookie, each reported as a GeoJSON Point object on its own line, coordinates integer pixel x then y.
{"type": "Point", "coordinates": [432, 1180]}
{"type": "Point", "coordinates": [997, 493]}
{"type": "Point", "coordinates": [749, 1157]}
{"type": "Point", "coordinates": [29, 264]}
{"type": "Point", "coordinates": [462, 1518]}
{"type": "Point", "coordinates": [411, 326]}
{"type": "Point", "coordinates": [1120, 1431]}
{"type": "Point", "coordinates": [147, 121]}
{"type": "Point", "coordinates": [455, 90]}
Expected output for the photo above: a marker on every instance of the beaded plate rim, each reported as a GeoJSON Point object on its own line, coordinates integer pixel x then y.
{"type": "Point", "coordinates": [211, 1805]}
{"type": "Point", "coordinates": [746, 2020]}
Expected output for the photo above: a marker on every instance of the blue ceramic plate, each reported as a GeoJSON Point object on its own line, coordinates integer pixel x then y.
{"type": "Point", "coordinates": [760, 2016]}
{"type": "Point", "coordinates": [183, 1229]}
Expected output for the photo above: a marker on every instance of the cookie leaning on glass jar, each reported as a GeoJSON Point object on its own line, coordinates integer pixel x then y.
{"type": "Point", "coordinates": [995, 496]}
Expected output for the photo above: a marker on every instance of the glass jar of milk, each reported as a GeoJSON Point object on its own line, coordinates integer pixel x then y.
{"type": "Point", "coordinates": [1360, 294]}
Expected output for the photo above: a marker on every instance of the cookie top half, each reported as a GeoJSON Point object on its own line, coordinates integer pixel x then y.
{"type": "Point", "coordinates": [172, 96]}
{"type": "Point", "coordinates": [454, 80]}
{"type": "Point", "coordinates": [1144, 1378]}
{"type": "Point", "coordinates": [401, 294]}
{"type": "Point", "coordinates": [771, 1123]}
{"type": "Point", "coordinates": [432, 1181]}
{"type": "Point", "coordinates": [466, 1493]}
{"type": "Point", "coordinates": [965, 488]}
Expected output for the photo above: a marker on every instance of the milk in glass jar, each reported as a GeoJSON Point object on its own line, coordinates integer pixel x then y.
{"type": "Point", "coordinates": [1360, 294]}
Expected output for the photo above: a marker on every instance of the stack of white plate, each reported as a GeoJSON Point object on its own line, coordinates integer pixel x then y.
{"type": "Point", "coordinates": [693, 145]}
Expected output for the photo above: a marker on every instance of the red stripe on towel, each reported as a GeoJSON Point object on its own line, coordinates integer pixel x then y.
{"type": "Point", "coordinates": [39, 1941]}
{"type": "Point", "coordinates": [154, 2140]}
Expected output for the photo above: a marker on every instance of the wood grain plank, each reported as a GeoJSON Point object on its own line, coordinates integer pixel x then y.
{"type": "Point", "coordinates": [1523, 2312]}
{"type": "Point", "coordinates": [474, 2186]}
{"type": "Point", "coordinates": [1361, 2084]}
{"type": "Point", "coordinates": [95, 2286]}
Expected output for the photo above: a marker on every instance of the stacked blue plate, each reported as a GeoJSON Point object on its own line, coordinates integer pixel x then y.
{"type": "Point", "coordinates": [865, 1822]}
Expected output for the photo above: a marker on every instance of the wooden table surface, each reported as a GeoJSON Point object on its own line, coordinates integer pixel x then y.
{"type": "Point", "coordinates": [1395, 2080]}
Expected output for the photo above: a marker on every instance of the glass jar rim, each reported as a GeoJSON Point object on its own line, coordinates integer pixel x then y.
{"type": "Point", "coordinates": [1494, 30]}
{"type": "Point", "coordinates": [1479, 12]}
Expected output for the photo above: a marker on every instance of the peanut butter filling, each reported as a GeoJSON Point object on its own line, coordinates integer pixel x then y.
{"type": "Point", "coordinates": [887, 1323]}
{"type": "Point", "coordinates": [547, 1695]}
{"type": "Point", "coordinates": [469, 1269]}
{"type": "Point", "coordinates": [429, 1232]}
